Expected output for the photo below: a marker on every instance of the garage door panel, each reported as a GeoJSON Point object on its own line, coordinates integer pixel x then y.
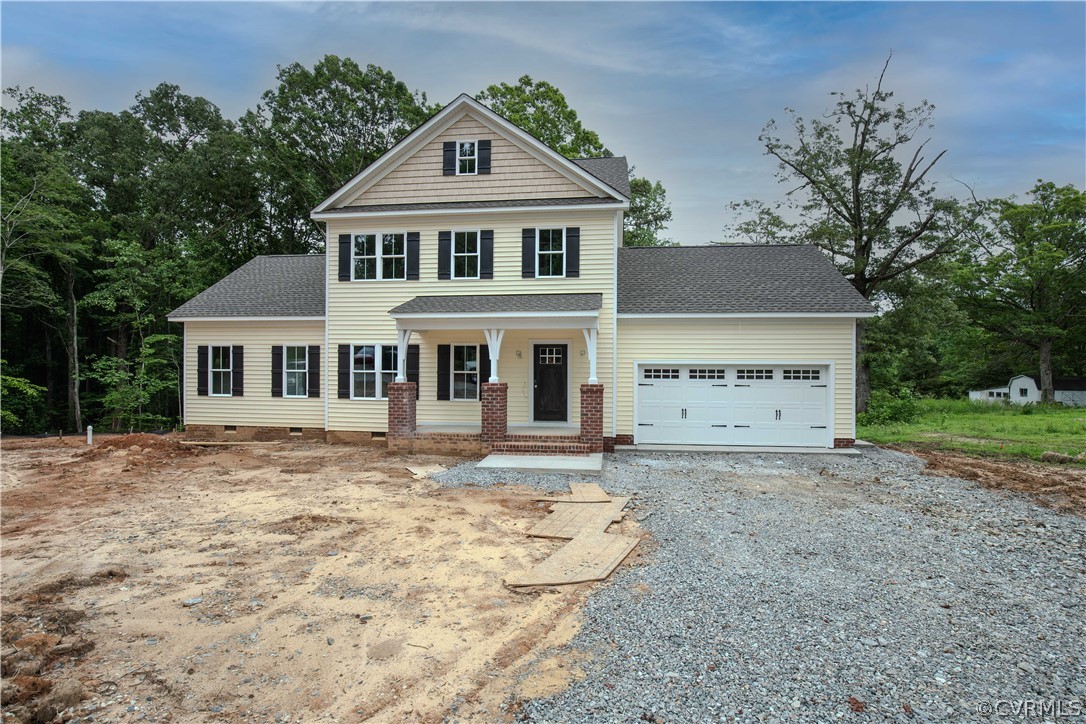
{"type": "Point", "coordinates": [733, 404]}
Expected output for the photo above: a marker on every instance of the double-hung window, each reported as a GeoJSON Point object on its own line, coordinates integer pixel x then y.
{"type": "Point", "coordinates": [380, 256]}
{"type": "Point", "coordinates": [550, 251]}
{"type": "Point", "coordinates": [373, 367]}
{"type": "Point", "coordinates": [467, 158]}
{"type": "Point", "coordinates": [296, 372]}
{"type": "Point", "coordinates": [465, 255]}
{"type": "Point", "coordinates": [465, 372]}
{"type": "Point", "coordinates": [222, 372]}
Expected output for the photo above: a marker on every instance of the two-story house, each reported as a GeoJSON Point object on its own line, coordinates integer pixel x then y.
{"type": "Point", "coordinates": [475, 296]}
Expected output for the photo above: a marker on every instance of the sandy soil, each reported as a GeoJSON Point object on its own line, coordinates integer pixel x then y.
{"type": "Point", "coordinates": [291, 582]}
{"type": "Point", "coordinates": [1062, 487]}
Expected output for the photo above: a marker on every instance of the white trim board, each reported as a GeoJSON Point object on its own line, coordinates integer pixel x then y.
{"type": "Point", "coordinates": [361, 214]}
{"type": "Point", "coordinates": [246, 319]}
{"type": "Point", "coordinates": [747, 315]}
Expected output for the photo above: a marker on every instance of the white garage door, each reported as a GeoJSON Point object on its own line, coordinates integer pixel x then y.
{"type": "Point", "coordinates": [708, 404]}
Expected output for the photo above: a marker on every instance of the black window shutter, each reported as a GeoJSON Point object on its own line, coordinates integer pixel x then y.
{"type": "Point", "coordinates": [527, 253]}
{"type": "Point", "coordinates": [484, 364]}
{"type": "Point", "coordinates": [201, 370]}
{"type": "Point", "coordinates": [237, 384]}
{"type": "Point", "coordinates": [413, 255]}
{"type": "Point", "coordinates": [343, 373]}
{"type": "Point", "coordinates": [444, 365]}
{"type": "Point", "coordinates": [483, 165]}
{"type": "Point", "coordinates": [313, 377]}
{"type": "Point", "coordinates": [413, 367]}
{"type": "Point", "coordinates": [573, 251]}
{"type": "Point", "coordinates": [486, 254]}
{"type": "Point", "coordinates": [345, 257]}
{"type": "Point", "coordinates": [448, 158]}
{"type": "Point", "coordinates": [444, 254]}
{"type": "Point", "coordinates": [277, 371]}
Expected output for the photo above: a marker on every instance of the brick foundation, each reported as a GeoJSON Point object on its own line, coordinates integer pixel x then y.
{"type": "Point", "coordinates": [592, 417]}
{"type": "Point", "coordinates": [349, 437]}
{"type": "Point", "coordinates": [495, 412]}
{"type": "Point", "coordinates": [843, 442]}
{"type": "Point", "coordinates": [441, 443]}
{"type": "Point", "coordinates": [251, 433]}
{"type": "Point", "coordinates": [610, 442]}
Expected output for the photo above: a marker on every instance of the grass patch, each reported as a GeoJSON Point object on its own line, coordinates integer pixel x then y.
{"type": "Point", "coordinates": [987, 428]}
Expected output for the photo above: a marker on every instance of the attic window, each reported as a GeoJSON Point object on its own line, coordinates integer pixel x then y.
{"type": "Point", "coordinates": [467, 157]}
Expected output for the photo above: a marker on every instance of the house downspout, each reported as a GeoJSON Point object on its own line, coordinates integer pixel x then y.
{"type": "Point", "coordinates": [614, 328]}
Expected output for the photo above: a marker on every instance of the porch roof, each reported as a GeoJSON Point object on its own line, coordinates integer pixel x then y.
{"type": "Point", "coordinates": [500, 311]}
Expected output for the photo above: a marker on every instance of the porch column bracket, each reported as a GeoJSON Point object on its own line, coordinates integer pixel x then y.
{"type": "Point", "coordinates": [590, 336]}
{"type": "Point", "coordinates": [494, 344]}
{"type": "Point", "coordinates": [403, 338]}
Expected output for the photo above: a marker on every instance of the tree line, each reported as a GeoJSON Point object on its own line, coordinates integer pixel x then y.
{"type": "Point", "coordinates": [112, 219]}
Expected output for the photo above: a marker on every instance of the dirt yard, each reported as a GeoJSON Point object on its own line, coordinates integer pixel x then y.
{"type": "Point", "coordinates": [1062, 487]}
{"type": "Point", "coordinates": [290, 582]}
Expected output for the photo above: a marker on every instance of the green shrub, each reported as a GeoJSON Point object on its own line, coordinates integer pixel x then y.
{"type": "Point", "coordinates": [22, 405]}
{"type": "Point", "coordinates": [885, 408]}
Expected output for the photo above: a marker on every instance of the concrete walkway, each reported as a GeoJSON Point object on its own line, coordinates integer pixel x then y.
{"type": "Point", "coordinates": [580, 464]}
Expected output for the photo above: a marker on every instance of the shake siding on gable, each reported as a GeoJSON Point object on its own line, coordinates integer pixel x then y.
{"type": "Point", "coordinates": [515, 174]}
{"type": "Point", "coordinates": [738, 340]}
{"type": "Point", "coordinates": [358, 311]}
{"type": "Point", "coordinates": [256, 407]}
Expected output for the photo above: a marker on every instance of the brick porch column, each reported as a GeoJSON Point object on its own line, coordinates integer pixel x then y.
{"type": "Point", "coordinates": [495, 413]}
{"type": "Point", "coordinates": [401, 415]}
{"type": "Point", "coordinates": [592, 417]}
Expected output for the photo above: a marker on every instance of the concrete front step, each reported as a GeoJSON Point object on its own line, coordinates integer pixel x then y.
{"type": "Point", "coordinates": [513, 447]}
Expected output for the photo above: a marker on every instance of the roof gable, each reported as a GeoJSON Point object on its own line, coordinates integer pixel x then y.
{"type": "Point", "coordinates": [469, 111]}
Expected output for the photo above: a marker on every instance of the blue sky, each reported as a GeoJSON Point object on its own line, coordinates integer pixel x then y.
{"type": "Point", "coordinates": [682, 89]}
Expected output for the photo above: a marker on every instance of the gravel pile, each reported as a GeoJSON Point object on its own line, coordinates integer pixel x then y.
{"type": "Point", "coordinates": [810, 587]}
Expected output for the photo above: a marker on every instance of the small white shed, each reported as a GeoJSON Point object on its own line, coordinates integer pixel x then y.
{"type": "Point", "coordinates": [1024, 389]}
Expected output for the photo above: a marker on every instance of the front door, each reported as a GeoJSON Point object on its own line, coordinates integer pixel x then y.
{"type": "Point", "coordinates": [551, 388]}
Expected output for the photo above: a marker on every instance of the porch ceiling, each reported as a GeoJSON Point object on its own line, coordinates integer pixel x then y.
{"type": "Point", "coordinates": [500, 311]}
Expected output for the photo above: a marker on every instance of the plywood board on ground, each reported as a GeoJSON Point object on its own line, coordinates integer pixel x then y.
{"type": "Point", "coordinates": [588, 557]}
{"type": "Point", "coordinates": [571, 519]}
{"type": "Point", "coordinates": [580, 493]}
{"type": "Point", "coordinates": [615, 507]}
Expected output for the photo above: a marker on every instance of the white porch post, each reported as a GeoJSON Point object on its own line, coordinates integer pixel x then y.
{"type": "Point", "coordinates": [590, 335]}
{"type": "Point", "coordinates": [403, 337]}
{"type": "Point", "coordinates": [494, 345]}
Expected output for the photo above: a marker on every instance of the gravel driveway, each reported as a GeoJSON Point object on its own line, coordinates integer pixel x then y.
{"type": "Point", "coordinates": [805, 587]}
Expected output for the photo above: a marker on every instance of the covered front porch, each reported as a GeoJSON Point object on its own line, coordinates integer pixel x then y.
{"type": "Point", "coordinates": [513, 374]}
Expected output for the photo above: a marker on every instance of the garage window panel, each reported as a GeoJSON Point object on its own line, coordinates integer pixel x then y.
{"type": "Point", "coordinates": [708, 374]}
{"type": "Point", "coordinates": [754, 374]}
{"type": "Point", "coordinates": [661, 373]}
{"type": "Point", "coordinates": [802, 375]}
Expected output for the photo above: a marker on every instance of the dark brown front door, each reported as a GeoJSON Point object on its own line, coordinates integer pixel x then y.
{"type": "Point", "coordinates": [551, 390]}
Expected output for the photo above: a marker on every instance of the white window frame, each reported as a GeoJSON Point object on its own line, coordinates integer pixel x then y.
{"type": "Point", "coordinates": [453, 373]}
{"type": "Point", "coordinates": [379, 256]}
{"type": "Point", "coordinates": [564, 252]}
{"type": "Point", "coordinates": [478, 253]}
{"type": "Point", "coordinates": [212, 370]}
{"type": "Point", "coordinates": [304, 370]}
{"type": "Point", "coordinates": [474, 158]}
{"type": "Point", "coordinates": [378, 370]}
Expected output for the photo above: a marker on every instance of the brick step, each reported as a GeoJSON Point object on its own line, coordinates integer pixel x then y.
{"type": "Point", "coordinates": [564, 439]}
{"type": "Point", "coordinates": [540, 448]}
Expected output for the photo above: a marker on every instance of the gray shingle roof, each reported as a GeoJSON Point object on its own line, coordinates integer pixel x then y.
{"type": "Point", "coordinates": [266, 286]}
{"type": "Point", "coordinates": [438, 205]}
{"type": "Point", "coordinates": [613, 171]}
{"type": "Point", "coordinates": [492, 303]}
{"type": "Point", "coordinates": [733, 279]}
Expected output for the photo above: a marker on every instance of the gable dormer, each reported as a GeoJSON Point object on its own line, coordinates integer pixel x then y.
{"type": "Point", "coordinates": [467, 153]}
